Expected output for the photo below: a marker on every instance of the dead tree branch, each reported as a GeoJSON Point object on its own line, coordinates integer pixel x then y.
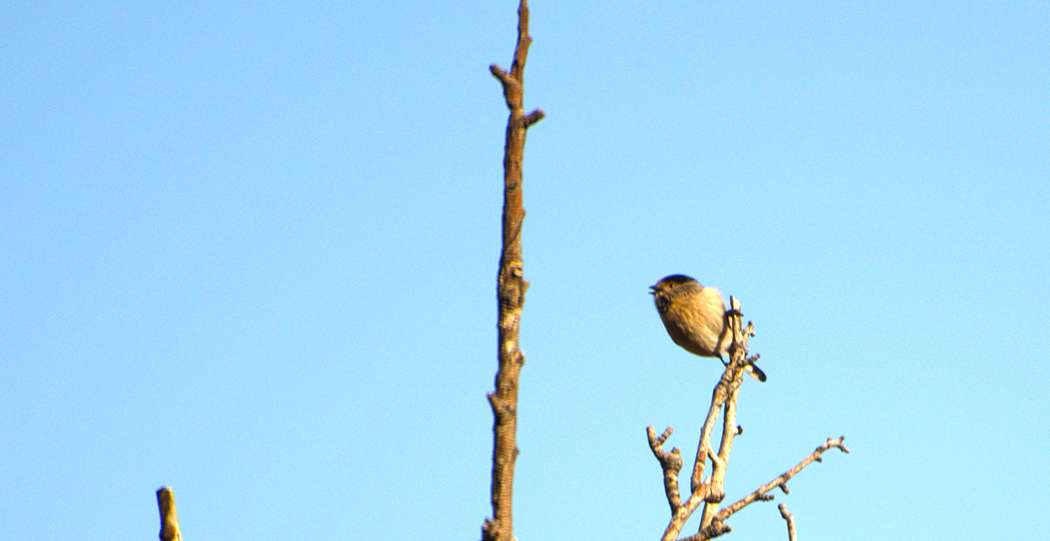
{"type": "Point", "coordinates": [762, 493]}
{"type": "Point", "coordinates": [724, 397]}
{"type": "Point", "coordinates": [511, 286]}
{"type": "Point", "coordinates": [169, 519]}
{"type": "Point", "coordinates": [790, 519]}
{"type": "Point", "coordinates": [671, 464]}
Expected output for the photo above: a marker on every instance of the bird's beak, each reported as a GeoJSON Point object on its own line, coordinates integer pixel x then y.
{"type": "Point", "coordinates": [652, 290]}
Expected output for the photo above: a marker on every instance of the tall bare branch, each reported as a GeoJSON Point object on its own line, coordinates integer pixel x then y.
{"type": "Point", "coordinates": [511, 286]}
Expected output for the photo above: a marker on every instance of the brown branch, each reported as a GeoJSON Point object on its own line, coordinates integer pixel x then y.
{"type": "Point", "coordinates": [719, 465]}
{"type": "Point", "coordinates": [169, 519]}
{"type": "Point", "coordinates": [511, 286]}
{"type": "Point", "coordinates": [710, 493]}
{"type": "Point", "coordinates": [725, 392]}
{"type": "Point", "coordinates": [718, 399]}
{"type": "Point", "coordinates": [792, 534]}
{"type": "Point", "coordinates": [761, 494]}
{"type": "Point", "coordinates": [671, 464]}
{"type": "Point", "coordinates": [715, 529]}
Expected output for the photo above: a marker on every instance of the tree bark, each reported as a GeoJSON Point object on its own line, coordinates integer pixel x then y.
{"type": "Point", "coordinates": [510, 294]}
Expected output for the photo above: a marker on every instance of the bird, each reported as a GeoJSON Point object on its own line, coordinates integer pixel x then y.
{"type": "Point", "coordinates": [695, 317]}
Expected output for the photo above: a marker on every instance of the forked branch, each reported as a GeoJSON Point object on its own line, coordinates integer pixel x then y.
{"type": "Point", "coordinates": [790, 519]}
{"type": "Point", "coordinates": [708, 492]}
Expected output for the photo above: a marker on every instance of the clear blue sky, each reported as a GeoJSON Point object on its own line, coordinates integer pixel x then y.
{"type": "Point", "coordinates": [249, 251]}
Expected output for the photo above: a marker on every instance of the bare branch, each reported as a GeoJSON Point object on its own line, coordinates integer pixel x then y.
{"type": "Point", "coordinates": [792, 534]}
{"type": "Point", "coordinates": [534, 117]}
{"type": "Point", "coordinates": [503, 76]}
{"type": "Point", "coordinates": [169, 519]}
{"type": "Point", "coordinates": [709, 493]}
{"type": "Point", "coordinates": [719, 468]}
{"type": "Point", "coordinates": [511, 287]}
{"type": "Point", "coordinates": [671, 464]}
{"type": "Point", "coordinates": [761, 494]}
{"type": "Point", "coordinates": [715, 529]}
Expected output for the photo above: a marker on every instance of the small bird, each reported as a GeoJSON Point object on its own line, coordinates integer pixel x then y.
{"type": "Point", "coordinates": [695, 317]}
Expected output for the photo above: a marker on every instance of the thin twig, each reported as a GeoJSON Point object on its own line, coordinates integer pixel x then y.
{"type": "Point", "coordinates": [671, 463]}
{"type": "Point", "coordinates": [792, 534]}
{"type": "Point", "coordinates": [762, 493]}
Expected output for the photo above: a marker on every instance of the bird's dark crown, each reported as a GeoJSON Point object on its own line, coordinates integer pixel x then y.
{"type": "Point", "coordinates": [672, 281]}
{"type": "Point", "coordinates": [678, 279]}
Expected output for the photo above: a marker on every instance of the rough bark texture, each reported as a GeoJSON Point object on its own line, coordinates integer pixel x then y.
{"type": "Point", "coordinates": [511, 286]}
{"type": "Point", "coordinates": [790, 519]}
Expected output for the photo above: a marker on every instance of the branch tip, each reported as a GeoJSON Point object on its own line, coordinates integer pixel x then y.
{"type": "Point", "coordinates": [790, 521]}
{"type": "Point", "coordinates": [169, 519]}
{"type": "Point", "coordinates": [534, 117]}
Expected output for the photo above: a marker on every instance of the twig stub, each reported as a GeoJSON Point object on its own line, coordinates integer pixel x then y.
{"type": "Point", "coordinates": [169, 519]}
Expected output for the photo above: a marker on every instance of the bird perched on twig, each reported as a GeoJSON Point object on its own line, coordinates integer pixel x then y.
{"type": "Point", "coordinates": [695, 317]}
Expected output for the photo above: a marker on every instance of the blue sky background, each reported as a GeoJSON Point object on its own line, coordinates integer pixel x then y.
{"type": "Point", "coordinates": [249, 251]}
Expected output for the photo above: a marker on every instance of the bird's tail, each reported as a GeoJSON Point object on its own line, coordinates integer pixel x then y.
{"type": "Point", "coordinates": [755, 372]}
